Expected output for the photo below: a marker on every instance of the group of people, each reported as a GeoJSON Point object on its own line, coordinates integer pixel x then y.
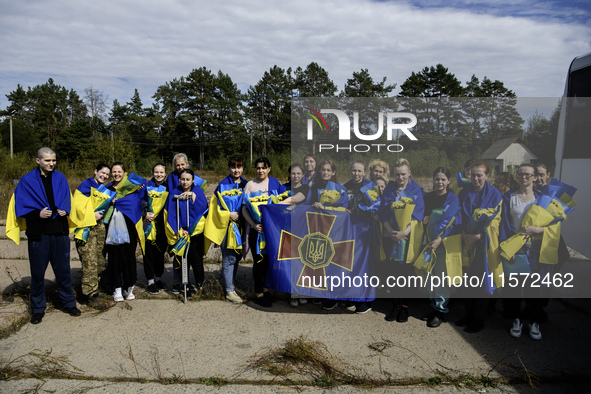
{"type": "Point", "coordinates": [458, 248]}
{"type": "Point", "coordinates": [166, 210]}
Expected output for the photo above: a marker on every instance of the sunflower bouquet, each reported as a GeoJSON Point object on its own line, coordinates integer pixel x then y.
{"type": "Point", "coordinates": [331, 195]}
{"type": "Point", "coordinates": [371, 193]}
{"type": "Point", "coordinates": [402, 209]}
{"type": "Point", "coordinates": [277, 198]}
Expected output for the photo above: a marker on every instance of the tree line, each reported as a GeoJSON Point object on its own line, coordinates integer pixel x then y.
{"type": "Point", "coordinates": [205, 115]}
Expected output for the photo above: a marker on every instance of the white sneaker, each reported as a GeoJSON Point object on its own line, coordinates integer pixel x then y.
{"type": "Point", "coordinates": [233, 297]}
{"type": "Point", "coordinates": [130, 295]}
{"type": "Point", "coordinates": [303, 301]}
{"type": "Point", "coordinates": [117, 296]}
{"type": "Point", "coordinates": [517, 328]}
{"type": "Point", "coordinates": [293, 302]}
{"type": "Point", "coordinates": [534, 332]}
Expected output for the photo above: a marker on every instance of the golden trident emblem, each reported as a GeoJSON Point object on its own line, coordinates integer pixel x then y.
{"type": "Point", "coordinates": [316, 250]}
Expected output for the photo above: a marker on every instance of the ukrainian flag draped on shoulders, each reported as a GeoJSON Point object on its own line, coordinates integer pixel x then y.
{"type": "Point", "coordinates": [551, 206]}
{"type": "Point", "coordinates": [156, 197]}
{"type": "Point", "coordinates": [29, 195]}
{"type": "Point", "coordinates": [173, 181]}
{"type": "Point", "coordinates": [387, 213]}
{"type": "Point", "coordinates": [90, 197]}
{"type": "Point", "coordinates": [174, 221]}
{"type": "Point", "coordinates": [445, 223]}
{"type": "Point", "coordinates": [252, 201]}
{"type": "Point", "coordinates": [481, 214]}
{"type": "Point", "coordinates": [128, 202]}
{"type": "Point", "coordinates": [226, 199]}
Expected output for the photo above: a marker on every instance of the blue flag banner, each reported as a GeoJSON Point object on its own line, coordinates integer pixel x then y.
{"type": "Point", "coordinates": [318, 253]}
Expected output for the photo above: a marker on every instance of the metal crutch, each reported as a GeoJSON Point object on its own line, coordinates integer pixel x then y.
{"type": "Point", "coordinates": [184, 267]}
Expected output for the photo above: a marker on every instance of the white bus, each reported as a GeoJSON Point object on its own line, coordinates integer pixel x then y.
{"type": "Point", "coordinates": [573, 152]}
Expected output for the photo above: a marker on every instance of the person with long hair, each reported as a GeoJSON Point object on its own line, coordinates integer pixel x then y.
{"type": "Point", "coordinates": [92, 249]}
{"type": "Point", "coordinates": [299, 190]}
{"type": "Point", "coordinates": [266, 185]}
{"type": "Point", "coordinates": [436, 202]}
{"type": "Point", "coordinates": [481, 245]}
{"type": "Point", "coordinates": [354, 185]}
{"type": "Point", "coordinates": [356, 197]}
{"type": "Point", "coordinates": [544, 175]}
{"type": "Point", "coordinates": [326, 174]}
{"type": "Point", "coordinates": [412, 233]}
{"type": "Point", "coordinates": [121, 256]}
{"type": "Point", "coordinates": [190, 203]}
{"type": "Point", "coordinates": [309, 169]}
{"type": "Point", "coordinates": [155, 250]}
{"type": "Point", "coordinates": [516, 204]}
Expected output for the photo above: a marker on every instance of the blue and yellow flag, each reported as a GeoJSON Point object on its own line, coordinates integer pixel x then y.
{"type": "Point", "coordinates": [90, 197]}
{"type": "Point", "coordinates": [306, 246]}
{"type": "Point", "coordinates": [481, 213]}
{"type": "Point", "coordinates": [156, 196]}
{"type": "Point", "coordinates": [29, 195]}
{"type": "Point", "coordinates": [228, 198]}
{"type": "Point", "coordinates": [196, 212]}
{"type": "Point", "coordinates": [131, 206]}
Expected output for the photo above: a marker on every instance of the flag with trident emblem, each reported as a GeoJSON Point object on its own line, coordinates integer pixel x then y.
{"type": "Point", "coordinates": [316, 253]}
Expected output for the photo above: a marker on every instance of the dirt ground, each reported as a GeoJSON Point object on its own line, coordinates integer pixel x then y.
{"type": "Point", "coordinates": [214, 345]}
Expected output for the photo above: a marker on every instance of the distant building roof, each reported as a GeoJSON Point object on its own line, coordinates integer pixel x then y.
{"type": "Point", "coordinates": [500, 146]}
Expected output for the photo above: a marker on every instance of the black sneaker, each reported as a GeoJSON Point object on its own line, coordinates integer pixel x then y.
{"type": "Point", "coordinates": [393, 314]}
{"type": "Point", "coordinates": [262, 301]}
{"type": "Point", "coordinates": [160, 285]}
{"type": "Point", "coordinates": [402, 315]}
{"type": "Point", "coordinates": [329, 305]}
{"type": "Point", "coordinates": [153, 288]}
{"type": "Point", "coordinates": [464, 321]}
{"type": "Point", "coordinates": [37, 318]}
{"type": "Point", "coordinates": [474, 327]}
{"type": "Point", "coordinates": [73, 311]}
{"type": "Point", "coordinates": [268, 296]}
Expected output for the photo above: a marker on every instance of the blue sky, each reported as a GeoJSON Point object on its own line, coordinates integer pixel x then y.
{"type": "Point", "coordinates": [117, 46]}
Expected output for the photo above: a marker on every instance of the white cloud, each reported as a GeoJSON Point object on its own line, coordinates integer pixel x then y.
{"type": "Point", "coordinates": [117, 46]}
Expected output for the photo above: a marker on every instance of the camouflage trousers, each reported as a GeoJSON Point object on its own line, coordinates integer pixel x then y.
{"type": "Point", "coordinates": [92, 257]}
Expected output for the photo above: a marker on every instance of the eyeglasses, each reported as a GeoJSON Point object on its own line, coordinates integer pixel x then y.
{"type": "Point", "coordinates": [526, 176]}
